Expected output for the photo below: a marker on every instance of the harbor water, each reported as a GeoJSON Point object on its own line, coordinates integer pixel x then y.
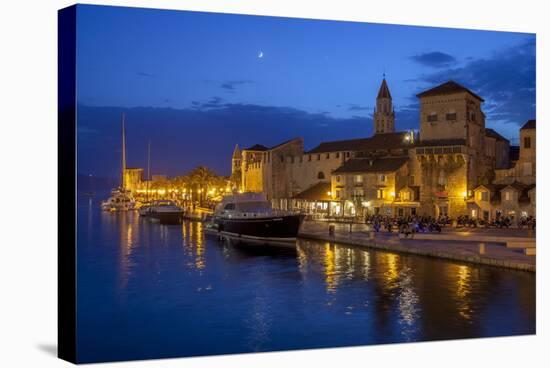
{"type": "Point", "coordinates": [147, 290]}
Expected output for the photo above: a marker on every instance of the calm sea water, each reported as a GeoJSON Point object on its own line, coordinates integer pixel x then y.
{"type": "Point", "coordinates": [149, 291]}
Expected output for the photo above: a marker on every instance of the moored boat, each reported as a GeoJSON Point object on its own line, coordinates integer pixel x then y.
{"type": "Point", "coordinates": [120, 200]}
{"type": "Point", "coordinates": [144, 209]}
{"type": "Point", "coordinates": [165, 211]}
{"type": "Point", "coordinates": [250, 216]}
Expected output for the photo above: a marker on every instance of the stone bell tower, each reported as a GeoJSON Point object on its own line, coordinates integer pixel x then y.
{"type": "Point", "coordinates": [236, 162]}
{"type": "Point", "coordinates": [384, 116]}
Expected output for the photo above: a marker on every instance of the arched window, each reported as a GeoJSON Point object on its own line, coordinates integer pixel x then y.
{"type": "Point", "coordinates": [321, 175]}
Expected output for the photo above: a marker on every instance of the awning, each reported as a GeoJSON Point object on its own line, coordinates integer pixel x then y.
{"type": "Point", "coordinates": [317, 192]}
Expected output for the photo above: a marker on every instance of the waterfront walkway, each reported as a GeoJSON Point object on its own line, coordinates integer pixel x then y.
{"type": "Point", "coordinates": [450, 244]}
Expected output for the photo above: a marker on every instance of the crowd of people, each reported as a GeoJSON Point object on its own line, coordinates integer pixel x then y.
{"type": "Point", "coordinates": [406, 224]}
{"type": "Point", "coordinates": [501, 222]}
{"type": "Point", "coordinates": [422, 224]}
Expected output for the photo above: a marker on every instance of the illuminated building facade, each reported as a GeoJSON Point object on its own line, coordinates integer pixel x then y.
{"type": "Point", "coordinates": [132, 178]}
{"type": "Point", "coordinates": [513, 192]}
{"type": "Point", "coordinates": [432, 172]}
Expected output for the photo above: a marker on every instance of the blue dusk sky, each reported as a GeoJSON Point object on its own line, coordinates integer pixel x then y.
{"type": "Point", "coordinates": [195, 84]}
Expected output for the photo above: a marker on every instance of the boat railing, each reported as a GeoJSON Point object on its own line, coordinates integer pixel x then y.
{"type": "Point", "coordinates": [251, 214]}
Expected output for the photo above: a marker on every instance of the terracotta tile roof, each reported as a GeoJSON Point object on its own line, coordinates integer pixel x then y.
{"type": "Point", "coordinates": [256, 147]}
{"type": "Point", "coordinates": [283, 143]}
{"type": "Point", "coordinates": [492, 187]}
{"type": "Point", "coordinates": [317, 192]}
{"type": "Point", "coordinates": [520, 187]}
{"type": "Point", "coordinates": [363, 165]}
{"type": "Point", "coordinates": [496, 189]}
{"type": "Point", "coordinates": [447, 88]}
{"type": "Point", "coordinates": [531, 124]}
{"type": "Point", "coordinates": [494, 134]}
{"type": "Point", "coordinates": [376, 142]}
{"type": "Point", "coordinates": [442, 142]}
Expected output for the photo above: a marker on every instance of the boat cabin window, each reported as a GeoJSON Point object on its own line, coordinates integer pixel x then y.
{"type": "Point", "coordinates": [254, 207]}
{"type": "Point", "coordinates": [229, 206]}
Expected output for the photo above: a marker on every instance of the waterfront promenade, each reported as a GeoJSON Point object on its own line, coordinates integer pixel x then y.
{"type": "Point", "coordinates": [455, 244]}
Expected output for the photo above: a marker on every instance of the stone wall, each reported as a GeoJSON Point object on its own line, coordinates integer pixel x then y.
{"type": "Point", "coordinates": [133, 178]}
{"type": "Point", "coordinates": [440, 106]}
{"type": "Point", "coordinates": [253, 177]}
{"type": "Point", "coordinates": [444, 183]}
{"type": "Point", "coordinates": [309, 169]}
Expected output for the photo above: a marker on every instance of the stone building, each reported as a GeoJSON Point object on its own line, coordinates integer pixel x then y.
{"type": "Point", "coordinates": [433, 172]}
{"type": "Point", "coordinates": [523, 169]}
{"type": "Point", "coordinates": [132, 178]}
{"type": "Point", "coordinates": [384, 116]}
{"type": "Point", "coordinates": [515, 200]}
{"type": "Point", "coordinates": [513, 192]}
{"type": "Point", "coordinates": [451, 148]}
{"type": "Point", "coordinates": [236, 167]}
{"type": "Point", "coordinates": [370, 185]}
{"type": "Point", "coordinates": [269, 170]}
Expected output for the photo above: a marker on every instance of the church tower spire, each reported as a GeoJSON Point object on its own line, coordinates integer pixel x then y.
{"type": "Point", "coordinates": [384, 116]}
{"type": "Point", "coordinates": [236, 168]}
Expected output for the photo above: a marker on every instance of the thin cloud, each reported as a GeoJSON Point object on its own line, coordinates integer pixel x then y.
{"type": "Point", "coordinates": [145, 75]}
{"type": "Point", "coordinates": [233, 84]}
{"type": "Point", "coordinates": [357, 107]}
{"type": "Point", "coordinates": [435, 59]}
{"type": "Point", "coordinates": [506, 80]}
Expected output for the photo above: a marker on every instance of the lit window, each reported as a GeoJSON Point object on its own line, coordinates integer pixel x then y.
{"type": "Point", "coordinates": [358, 178]}
{"type": "Point", "coordinates": [406, 196]}
{"type": "Point", "coordinates": [507, 196]}
{"type": "Point", "coordinates": [380, 193]}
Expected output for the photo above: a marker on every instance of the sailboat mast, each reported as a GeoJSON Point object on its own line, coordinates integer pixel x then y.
{"type": "Point", "coordinates": [123, 153]}
{"type": "Point", "coordinates": [148, 168]}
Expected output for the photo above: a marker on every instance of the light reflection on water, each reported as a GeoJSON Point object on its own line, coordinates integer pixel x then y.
{"type": "Point", "coordinates": [148, 290]}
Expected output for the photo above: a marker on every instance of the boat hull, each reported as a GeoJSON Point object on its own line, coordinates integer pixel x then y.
{"type": "Point", "coordinates": [267, 229]}
{"type": "Point", "coordinates": [168, 218]}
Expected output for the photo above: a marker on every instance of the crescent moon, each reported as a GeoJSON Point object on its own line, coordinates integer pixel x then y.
{"type": "Point", "coordinates": [261, 54]}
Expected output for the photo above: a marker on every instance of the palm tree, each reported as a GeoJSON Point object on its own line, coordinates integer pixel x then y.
{"type": "Point", "coordinates": [201, 178]}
